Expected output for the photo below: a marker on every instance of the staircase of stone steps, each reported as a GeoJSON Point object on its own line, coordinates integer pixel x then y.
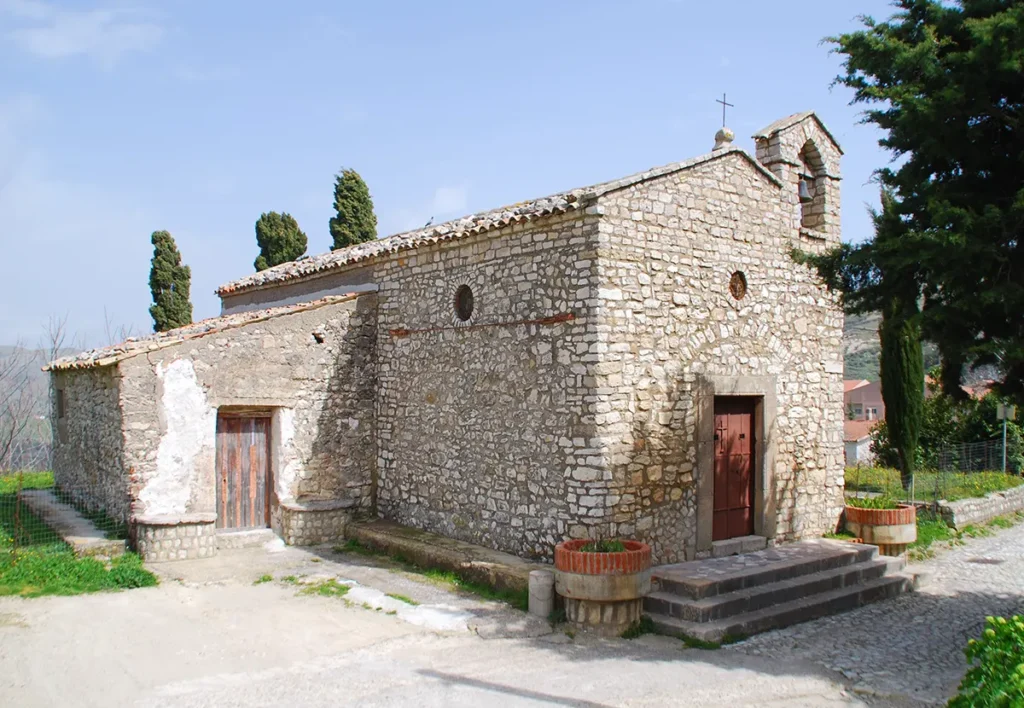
{"type": "Point", "coordinates": [719, 599]}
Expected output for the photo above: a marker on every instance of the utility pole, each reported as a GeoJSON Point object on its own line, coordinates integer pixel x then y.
{"type": "Point", "coordinates": [1005, 413]}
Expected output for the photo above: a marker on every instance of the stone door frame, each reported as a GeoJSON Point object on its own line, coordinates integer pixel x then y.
{"type": "Point", "coordinates": [762, 388]}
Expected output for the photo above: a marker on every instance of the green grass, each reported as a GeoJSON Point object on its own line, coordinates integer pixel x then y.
{"type": "Point", "coordinates": [872, 503]}
{"type": "Point", "coordinates": [603, 546]}
{"type": "Point", "coordinates": [59, 572]}
{"type": "Point", "coordinates": [30, 480]}
{"type": "Point", "coordinates": [354, 546]}
{"type": "Point", "coordinates": [840, 536]}
{"type": "Point", "coordinates": [265, 578]}
{"type": "Point", "coordinates": [930, 486]}
{"type": "Point", "coordinates": [932, 530]}
{"type": "Point", "coordinates": [326, 588]}
{"type": "Point", "coordinates": [42, 563]}
{"type": "Point", "coordinates": [402, 598]}
{"type": "Point", "coordinates": [519, 599]}
{"type": "Point", "coordinates": [446, 578]}
{"type": "Point", "coordinates": [642, 626]}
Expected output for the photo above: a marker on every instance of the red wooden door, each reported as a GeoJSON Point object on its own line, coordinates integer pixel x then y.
{"type": "Point", "coordinates": [243, 471]}
{"type": "Point", "coordinates": [734, 467]}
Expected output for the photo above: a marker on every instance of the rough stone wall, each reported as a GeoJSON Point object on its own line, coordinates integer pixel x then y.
{"type": "Point", "coordinates": [668, 248]}
{"type": "Point", "coordinates": [311, 526]}
{"type": "Point", "coordinates": [87, 452]}
{"type": "Point", "coordinates": [187, 540]}
{"type": "Point", "coordinates": [314, 369]}
{"type": "Point", "coordinates": [962, 512]}
{"type": "Point", "coordinates": [480, 432]}
{"type": "Point", "coordinates": [806, 148]}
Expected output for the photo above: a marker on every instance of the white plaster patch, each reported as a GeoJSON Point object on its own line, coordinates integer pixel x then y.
{"type": "Point", "coordinates": [275, 546]}
{"type": "Point", "coordinates": [191, 426]}
{"type": "Point", "coordinates": [441, 618]}
{"type": "Point", "coordinates": [288, 465]}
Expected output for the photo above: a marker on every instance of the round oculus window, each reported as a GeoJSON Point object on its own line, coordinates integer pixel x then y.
{"type": "Point", "coordinates": [738, 285]}
{"type": "Point", "coordinates": [464, 302]}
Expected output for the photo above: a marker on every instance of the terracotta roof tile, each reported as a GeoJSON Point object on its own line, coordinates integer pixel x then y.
{"type": "Point", "coordinates": [854, 430]}
{"type": "Point", "coordinates": [106, 356]}
{"type": "Point", "coordinates": [530, 210]}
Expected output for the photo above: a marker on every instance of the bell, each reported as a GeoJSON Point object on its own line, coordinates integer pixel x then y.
{"type": "Point", "coordinates": [805, 190]}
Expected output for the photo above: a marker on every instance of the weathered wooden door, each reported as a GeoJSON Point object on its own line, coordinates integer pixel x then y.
{"type": "Point", "coordinates": [243, 471]}
{"type": "Point", "coordinates": [734, 467]}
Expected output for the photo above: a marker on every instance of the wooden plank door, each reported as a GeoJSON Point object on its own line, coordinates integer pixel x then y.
{"type": "Point", "coordinates": [734, 467]}
{"type": "Point", "coordinates": [243, 471]}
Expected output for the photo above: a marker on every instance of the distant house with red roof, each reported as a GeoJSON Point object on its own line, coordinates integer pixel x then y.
{"type": "Point", "coordinates": [857, 442]}
{"type": "Point", "coordinates": [863, 400]}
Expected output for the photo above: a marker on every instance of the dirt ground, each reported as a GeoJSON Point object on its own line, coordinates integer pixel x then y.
{"type": "Point", "coordinates": [209, 636]}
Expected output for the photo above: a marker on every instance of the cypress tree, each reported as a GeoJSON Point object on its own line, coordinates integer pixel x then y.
{"type": "Point", "coordinates": [902, 374]}
{"type": "Point", "coordinates": [354, 221]}
{"type": "Point", "coordinates": [169, 282]}
{"type": "Point", "coordinates": [279, 238]}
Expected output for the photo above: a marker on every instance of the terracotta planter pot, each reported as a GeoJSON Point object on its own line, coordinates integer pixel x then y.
{"type": "Point", "coordinates": [603, 591]}
{"type": "Point", "coordinates": [892, 530]}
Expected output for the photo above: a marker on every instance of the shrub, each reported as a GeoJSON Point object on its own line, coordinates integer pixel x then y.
{"type": "Point", "coordinates": [872, 503]}
{"type": "Point", "coordinates": [996, 677]}
{"type": "Point", "coordinates": [603, 546]}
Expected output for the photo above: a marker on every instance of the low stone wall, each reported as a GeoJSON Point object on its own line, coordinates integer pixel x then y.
{"type": "Point", "coordinates": [312, 523]}
{"type": "Point", "coordinates": [972, 511]}
{"type": "Point", "coordinates": [168, 538]}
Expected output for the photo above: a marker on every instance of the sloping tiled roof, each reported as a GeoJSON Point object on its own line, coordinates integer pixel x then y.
{"type": "Point", "coordinates": [853, 384]}
{"type": "Point", "coordinates": [106, 356]}
{"type": "Point", "coordinates": [533, 209]}
{"type": "Point", "coordinates": [854, 430]}
{"type": "Point", "coordinates": [788, 121]}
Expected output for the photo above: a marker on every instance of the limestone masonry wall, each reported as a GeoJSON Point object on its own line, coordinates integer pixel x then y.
{"type": "Point", "coordinates": [669, 325]}
{"type": "Point", "coordinates": [87, 451]}
{"type": "Point", "coordinates": [313, 369]}
{"type": "Point", "coordinates": [479, 422]}
{"type": "Point", "coordinates": [962, 512]}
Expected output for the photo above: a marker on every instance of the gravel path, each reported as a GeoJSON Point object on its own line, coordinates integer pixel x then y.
{"type": "Point", "coordinates": [912, 647]}
{"type": "Point", "coordinates": [209, 636]}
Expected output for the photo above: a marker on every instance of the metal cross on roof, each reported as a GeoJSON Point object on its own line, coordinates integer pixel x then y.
{"type": "Point", "coordinates": [724, 104]}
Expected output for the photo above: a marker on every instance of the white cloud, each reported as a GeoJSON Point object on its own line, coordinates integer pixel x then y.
{"type": "Point", "coordinates": [104, 35]}
{"type": "Point", "coordinates": [448, 200]}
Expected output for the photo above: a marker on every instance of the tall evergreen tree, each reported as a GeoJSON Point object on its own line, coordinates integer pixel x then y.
{"type": "Point", "coordinates": [354, 221]}
{"type": "Point", "coordinates": [881, 276]}
{"type": "Point", "coordinates": [170, 283]}
{"type": "Point", "coordinates": [902, 373]}
{"type": "Point", "coordinates": [279, 238]}
{"type": "Point", "coordinates": [944, 81]}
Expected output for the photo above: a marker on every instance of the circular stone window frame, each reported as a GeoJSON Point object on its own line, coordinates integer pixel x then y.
{"type": "Point", "coordinates": [739, 288]}
{"type": "Point", "coordinates": [463, 305]}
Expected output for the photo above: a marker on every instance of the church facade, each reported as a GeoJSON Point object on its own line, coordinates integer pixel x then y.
{"type": "Point", "coordinates": [642, 358]}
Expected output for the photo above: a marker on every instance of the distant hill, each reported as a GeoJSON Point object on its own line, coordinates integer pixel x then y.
{"type": "Point", "coordinates": [861, 349]}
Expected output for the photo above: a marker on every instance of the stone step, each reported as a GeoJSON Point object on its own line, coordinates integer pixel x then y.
{"type": "Point", "coordinates": [244, 538]}
{"type": "Point", "coordinates": [755, 598]}
{"type": "Point", "coordinates": [717, 576]}
{"type": "Point", "coordinates": [787, 613]}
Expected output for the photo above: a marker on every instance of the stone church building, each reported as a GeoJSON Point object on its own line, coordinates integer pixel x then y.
{"type": "Point", "coordinates": [641, 358]}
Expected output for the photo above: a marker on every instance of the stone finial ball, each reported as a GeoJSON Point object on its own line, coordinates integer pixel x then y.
{"type": "Point", "coordinates": [724, 137]}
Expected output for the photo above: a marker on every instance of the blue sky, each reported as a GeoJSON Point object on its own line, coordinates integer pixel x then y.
{"type": "Point", "coordinates": [120, 118]}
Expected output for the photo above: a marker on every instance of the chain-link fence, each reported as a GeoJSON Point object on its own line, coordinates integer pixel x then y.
{"type": "Point", "coordinates": [981, 456]}
{"type": "Point", "coordinates": [929, 485]}
{"type": "Point", "coordinates": [36, 517]}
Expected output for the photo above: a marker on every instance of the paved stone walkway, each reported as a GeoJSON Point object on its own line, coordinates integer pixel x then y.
{"type": "Point", "coordinates": [913, 646]}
